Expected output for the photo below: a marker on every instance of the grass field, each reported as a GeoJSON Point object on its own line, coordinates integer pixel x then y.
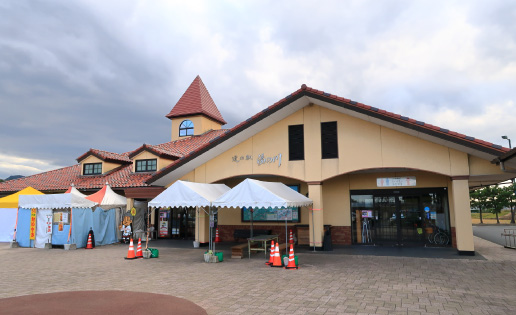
{"type": "Point", "coordinates": [490, 218]}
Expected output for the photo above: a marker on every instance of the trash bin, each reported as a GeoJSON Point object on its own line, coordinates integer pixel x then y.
{"type": "Point", "coordinates": [285, 256]}
{"type": "Point", "coordinates": [327, 241]}
{"type": "Point", "coordinates": [154, 252]}
{"type": "Point", "coordinates": [220, 255]}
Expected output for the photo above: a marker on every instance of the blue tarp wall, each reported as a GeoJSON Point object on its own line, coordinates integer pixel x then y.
{"type": "Point", "coordinates": [102, 221]}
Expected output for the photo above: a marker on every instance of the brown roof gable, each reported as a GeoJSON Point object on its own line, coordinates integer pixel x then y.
{"type": "Point", "coordinates": [106, 156]}
{"type": "Point", "coordinates": [196, 101]}
{"type": "Point", "coordinates": [403, 121]}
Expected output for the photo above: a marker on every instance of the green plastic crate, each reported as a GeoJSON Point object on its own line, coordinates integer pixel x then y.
{"type": "Point", "coordinates": [295, 259]}
{"type": "Point", "coordinates": [154, 252]}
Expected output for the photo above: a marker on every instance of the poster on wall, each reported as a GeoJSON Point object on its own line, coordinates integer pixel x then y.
{"type": "Point", "coordinates": [272, 215]}
{"type": "Point", "coordinates": [163, 228]}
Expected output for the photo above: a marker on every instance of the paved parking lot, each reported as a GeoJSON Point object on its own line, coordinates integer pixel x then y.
{"type": "Point", "coordinates": [326, 283]}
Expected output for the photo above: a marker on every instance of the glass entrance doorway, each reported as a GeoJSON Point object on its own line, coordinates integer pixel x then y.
{"type": "Point", "coordinates": [176, 223]}
{"type": "Point", "coordinates": [405, 217]}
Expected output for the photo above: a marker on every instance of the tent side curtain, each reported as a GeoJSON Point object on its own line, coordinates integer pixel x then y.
{"type": "Point", "coordinates": [188, 194]}
{"type": "Point", "coordinates": [252, 193]}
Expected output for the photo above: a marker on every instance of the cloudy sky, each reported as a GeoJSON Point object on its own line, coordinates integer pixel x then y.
{"type": "Point", "coordinates": [76, 75]}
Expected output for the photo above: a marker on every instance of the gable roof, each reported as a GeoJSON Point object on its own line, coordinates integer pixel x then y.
{"type": "Point", "coordinates": [305, 96]}
{"type": "Point", "coordinates": [120, 177]}
{"type": "Point", "coordinates": [196, 101]}
{"type": "Point", "coordinates": [106, 156]}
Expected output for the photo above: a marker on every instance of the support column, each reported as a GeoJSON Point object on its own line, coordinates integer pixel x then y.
{"type": "Point", "coordinates": [202, 224]}
{"type": "Point", "coordinates": [462, 215]}
{"type": "Point", "coordinates": [316, 223]}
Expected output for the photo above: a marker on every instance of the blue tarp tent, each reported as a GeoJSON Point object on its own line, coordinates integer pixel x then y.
{"type": "Point", "coordinates": [59, 209]}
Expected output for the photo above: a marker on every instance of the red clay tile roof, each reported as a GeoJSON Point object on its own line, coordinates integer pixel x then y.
{"type": "Point", "coordinates": [196, 100]}
{"type": "Point", "coordinates": [120, 177]}
{"type": "Point", "coordinates": [106, 156]}
{"type": "Point", "coordinates": [407, 122]}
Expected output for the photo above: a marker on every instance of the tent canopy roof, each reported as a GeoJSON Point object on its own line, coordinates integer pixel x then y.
{"type": "Point", "coordinates": [57, 201]}
{"type": "Point", "coordinates": [11, 201]}
{"type": "Point", "coordinates": [188, 194]}
{"type": "Point", "coordinates": [107, 198]}
{"type": "Point", "coordinates": [75, 191]}
{"type": "Point", "coordinates": [253, 193]}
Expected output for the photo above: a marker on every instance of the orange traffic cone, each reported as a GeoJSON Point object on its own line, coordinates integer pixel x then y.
{"type": "Point", "coordinates": [130, 253]}
{"type": "Point", "coordinates": [277, 259]}
{"type": "Point", "coordinates": [291, 259]}
{"type": "Point", "coordinates": [139, 253]}
{"type": "Point", "coordinates": [217, 238]}
{"type": "Point", "coordinates": [271, 257]}
{"type": "Point", "coordinates": [89, 245]}
{"type": "Point", "coordinates": [291, 240]}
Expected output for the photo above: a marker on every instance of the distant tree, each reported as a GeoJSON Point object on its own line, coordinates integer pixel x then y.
{"type": "Point", "coordinates": [498, 199]}
{"type": "Point", "coordinates": [512, 199]}
{"type": "Point", "coordinates": [480, 199]}
{"type": "Point", "coordinates": [1, 180]}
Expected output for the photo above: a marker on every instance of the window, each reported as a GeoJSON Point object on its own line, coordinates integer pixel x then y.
{"type": "Point", "coordinates": [296, 143]}
{"type": "Point", "coordinates": [92, 169]}
{"type": "Point", "coordinates": [329, 143]}
{"type": "Point", "coordinates": [273, 215]}
{"type": "Point", "coordinates": [146, 165]}
{"type": "Point", "coordinates": [186, 128]}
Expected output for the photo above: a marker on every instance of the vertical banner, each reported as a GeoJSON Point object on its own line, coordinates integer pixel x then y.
{"type": "Point", "coordinates": [32, 224]}
{"type": "Point", "coordinates": [49, 224]}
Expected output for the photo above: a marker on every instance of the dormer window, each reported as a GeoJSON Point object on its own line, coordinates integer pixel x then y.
{"type": "Point", "coordinates": [186, 128]}
{"type": "Point", "coordinates": [92, 169]}
{"type": "Point", "coordinates": [149, 165]}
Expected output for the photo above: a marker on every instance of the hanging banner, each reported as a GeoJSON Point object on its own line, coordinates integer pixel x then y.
{"type": "Point", "coordinates": [33, 224]}
{"type": "Point", "coordinates": [49, 224]}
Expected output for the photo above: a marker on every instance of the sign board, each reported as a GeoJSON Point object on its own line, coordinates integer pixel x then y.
{"type": "Point", "coordinates": [32, 224]}
{"type": "Point", "coordinates": [367, 213]}
{"type": "Point", "coordinates": [163, 228]}
{"type": "Point", "coordinates": [48, 223]}
{"type": "Point", "coordinates": [396, 181]}
{"type": "Point", "coordinates": [133, 211]}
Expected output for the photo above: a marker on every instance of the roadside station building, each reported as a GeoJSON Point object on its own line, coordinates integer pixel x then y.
{"type": "Point", "coordinates": [375, 177]}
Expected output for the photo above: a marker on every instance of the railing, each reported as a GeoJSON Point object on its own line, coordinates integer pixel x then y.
{"type": "Point", "coordinates": [510, 238]}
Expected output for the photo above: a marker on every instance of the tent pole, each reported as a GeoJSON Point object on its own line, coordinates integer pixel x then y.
{"type": "Point", "coordinates": [251, 210]}
{"type": "Point", "coordinates": [16, 224]}
{"type": "Point", "coordinates": [313, 228]}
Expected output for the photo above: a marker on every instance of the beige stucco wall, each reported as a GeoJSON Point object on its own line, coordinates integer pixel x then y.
{"type": "Point", "coordinates": [106, 166]}
{"type": "Point", "coordinates": [145, 155]}
{"type": "Point", "coordinates": [201, 125]}
{"type": "Point", "coordinates": [363, 146]}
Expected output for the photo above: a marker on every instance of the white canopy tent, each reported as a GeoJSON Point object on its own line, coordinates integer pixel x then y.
{"type": "Point", "coordinates": [75, 191]}
{"type": "Point", "coordinates": [252, 193]}
{"type": "Point", "coordinates": [75, 230]}
{"type": "Point", "coordinates": [188, 194]}
{"type": "Point", "coordinates": [57, 201]}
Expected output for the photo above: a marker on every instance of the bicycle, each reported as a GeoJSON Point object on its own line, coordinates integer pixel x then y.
{"type": "Point", "coordinates": [438, 236]}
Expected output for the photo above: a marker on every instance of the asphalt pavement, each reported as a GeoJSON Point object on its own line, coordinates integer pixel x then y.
{"type": "Point", "coordinates": [492, 232]}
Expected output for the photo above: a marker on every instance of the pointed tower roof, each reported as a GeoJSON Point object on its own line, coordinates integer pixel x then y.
{"type": "Point", "coordinates": [196, 100]}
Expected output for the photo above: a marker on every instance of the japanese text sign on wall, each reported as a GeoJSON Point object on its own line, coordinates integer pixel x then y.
{"type": "Point", "coordinates": [260, 160]}
{"type": "Point", "coordinates": [396, 181]}
{"type": "Point", "coordinates": [32, 224]}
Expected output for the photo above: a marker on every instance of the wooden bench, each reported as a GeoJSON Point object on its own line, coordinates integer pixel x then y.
{"type": "Point", "coordinates": [237, 251]}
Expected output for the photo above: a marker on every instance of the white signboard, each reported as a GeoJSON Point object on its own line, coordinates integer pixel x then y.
{"type": "Point", "coordinates": [396, 181]}
{"type": "Point", "coordinates": [48, 228]}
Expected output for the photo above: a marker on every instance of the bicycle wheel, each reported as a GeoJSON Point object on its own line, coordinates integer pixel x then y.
{"type": "Point", "coordinates": [441, 239]}
{"type": "Point", "coordinates": [431, 238]}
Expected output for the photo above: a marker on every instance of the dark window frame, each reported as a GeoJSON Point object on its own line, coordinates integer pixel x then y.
{"type": "Point", "coordinates": [138, 165]}
{"type": "Point", "coordinates": [92, 169]}
{"type": "Point", "coordinates": [296, 143]}
{"type": "Point", "coordinates": [186, 128]}
{"type": "Point", "coordinates": [329, 140]}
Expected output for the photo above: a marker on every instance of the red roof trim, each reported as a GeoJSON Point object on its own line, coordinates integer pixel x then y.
{"type": "Point", "coordinates": [342, 102]}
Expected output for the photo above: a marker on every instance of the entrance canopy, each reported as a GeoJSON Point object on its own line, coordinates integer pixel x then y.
{"type": "Point", "coordinates": [253, 193]}
{"type": "Point", "coordinates": [188, 194]}
{"type": "Point", "coordinates": [57, 201]}
{"type": "Point", "coordinates": [11, 201]}
{"type": "Point", "coordinates": [107, 199]}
